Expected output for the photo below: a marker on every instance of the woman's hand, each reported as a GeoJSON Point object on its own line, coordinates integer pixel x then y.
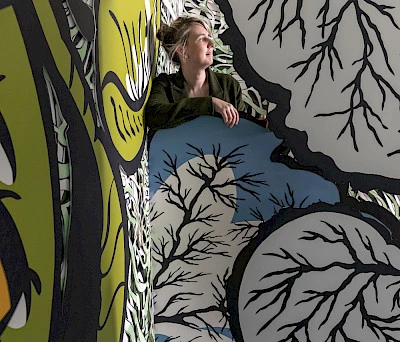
{"type": "Point", "coordinates": [227, 111]}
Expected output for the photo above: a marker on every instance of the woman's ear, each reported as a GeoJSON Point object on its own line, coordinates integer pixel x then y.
{"type": "Point", "coordinates": [181, 53]}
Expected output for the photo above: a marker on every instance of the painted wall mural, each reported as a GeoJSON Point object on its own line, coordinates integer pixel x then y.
{"type": "Point", "coordinates": [290, 235]}
{"type": "Point", "coordinates": [324, 273]}
{"type": "Point", "coordinates": [75, 234]}
{"type": "Point", "coordinates": [342, 49]}
{"type": "Point", "coordinates": [293, 234]}
{"type": "Point", "coordinates": [209, 194]}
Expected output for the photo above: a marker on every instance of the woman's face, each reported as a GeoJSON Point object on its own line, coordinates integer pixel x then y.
{"type": "Point", "coordinates": [199, 47]}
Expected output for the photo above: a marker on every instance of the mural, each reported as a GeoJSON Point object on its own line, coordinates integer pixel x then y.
{"type": "Point", "coordinates": [290, 235]}
{"type": "Point", "coordinates": [122, 85]}
{"type": "Point", "coordinates": [342, 49]}
{"type": "Point", "coordinates": [324, 273]}
{"type": "Point", "coordinates": [75, 233]}
{"type": "Point", "coordinates": [209, 193]}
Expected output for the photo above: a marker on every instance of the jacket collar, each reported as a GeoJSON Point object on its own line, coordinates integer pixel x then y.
{"type": "Point", "coordinates": [213, 83]}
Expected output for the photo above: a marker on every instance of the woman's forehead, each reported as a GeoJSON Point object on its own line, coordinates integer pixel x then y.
{"type": "Point", "coordinates": [198, 29]}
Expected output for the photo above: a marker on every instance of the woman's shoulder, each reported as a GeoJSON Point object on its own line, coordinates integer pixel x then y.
{"type": "Point", "coordinates": [222, 75]}
{"type": "Point", "coordinates": [165, 79]}
{"type": "Point", "coordinates": [225, 78]}
{"type": "Point", "coordinates": [165, 76]}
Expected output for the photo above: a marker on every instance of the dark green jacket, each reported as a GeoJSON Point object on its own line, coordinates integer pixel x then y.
{"type": "Point", "coordinates": [169, 105]}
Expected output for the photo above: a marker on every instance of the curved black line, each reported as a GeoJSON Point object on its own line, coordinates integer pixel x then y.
{"type": "Point", "coordinates": [111, 304]}
{"type": "Point", "coordinates": [134, 37]}
{"type": "Point", "coordinates": [120, 227]}
{"type": "Point", "coordinates": [137, 127]}
{"type": "Point", "coordinates": [108, 217]}
{"type": "Point", "coordinates": [71, 74]}
{"type": "Point", "coordinates": [130, 123]}
{"type": "Point", "coordinates": [130, 49]}
{"type": "Point", "coordinates": [8, 193]}
{"type": "Point", "coordinates": [116, 119]}
{"type": "Point", "coordinates": [393, 153]}
{"type": "Point", "coordinates": [111, 77]}
{"type": "Point", "coordinates": [114, 18]}
{"type": "Point", "coordinates": [35, 280]}
{"type": "Point", "coordinates": [389, 226]}
{"type": "Point", "coordinates": [123, 121]}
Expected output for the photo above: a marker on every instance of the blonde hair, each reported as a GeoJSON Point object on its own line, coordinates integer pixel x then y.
{"type": "Point", "coordinates": [176, 35]}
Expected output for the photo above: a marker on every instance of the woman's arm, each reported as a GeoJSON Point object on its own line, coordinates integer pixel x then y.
{"type": "Point", "coordinates": [162, 112]}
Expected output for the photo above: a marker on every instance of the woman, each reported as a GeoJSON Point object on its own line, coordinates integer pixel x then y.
{"type": "Point", "coordinates": [194, 90]}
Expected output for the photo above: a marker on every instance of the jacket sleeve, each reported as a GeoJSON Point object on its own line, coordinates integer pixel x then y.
{"type": "Point", "coordinates": [162, 112]}
{"type": "Point", "coordinates": [240, 106]}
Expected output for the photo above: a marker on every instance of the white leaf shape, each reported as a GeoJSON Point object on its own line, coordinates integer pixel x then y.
{"type": "Point", "coordinates": [6, 174]}
{"type": "Point", "coordinates": [20, 316]}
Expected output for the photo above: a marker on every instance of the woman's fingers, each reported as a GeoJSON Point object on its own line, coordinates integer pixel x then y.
{"type": "Point", "coordinates": [236, 116]}
{"type": "Point", "coordinates": [227, 111]}
{"type": "Point", "coordinates": [233, 117]}
{"type": "Point", "coordinates": [230, 115]}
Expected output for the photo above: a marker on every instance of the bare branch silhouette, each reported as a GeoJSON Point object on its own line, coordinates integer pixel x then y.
{"type": "Point", "coordinates": [178, 195]}
{"type": "Point", "coordinates": [288, 200]}
{"type": "Point", "coordinates": [326, 50]}
{"type": "Point", "coordinates": [192, 240]}
{"type": "Point", "coordinates": [357, 267]}
{"type": "Point", "coordinates": [281, 27]}
{"type": "Point", "coordinates": [247, 230]}
{"type": "Point", "coordinates": [193, 318]}
{"type": "Point", "coordinates": [154, 214]}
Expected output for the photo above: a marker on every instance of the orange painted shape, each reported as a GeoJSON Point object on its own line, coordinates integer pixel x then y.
{"type": "Point", "coordinates": [5, 300]}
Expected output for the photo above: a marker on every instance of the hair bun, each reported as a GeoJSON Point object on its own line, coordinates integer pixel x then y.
{"type": "Point", "coordinates": [162, 32]}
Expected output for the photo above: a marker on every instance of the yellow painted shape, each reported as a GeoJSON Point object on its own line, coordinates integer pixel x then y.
{"type": "Point", "coordinates": [50, 28]}
{"type": "Point", "coordinates": [112, 58]}
{"type": "Point", "coordinates": [117, 53]}
{"type": "Point", "coordinates": [133, 121]}
{"type": "Point", "coordinates": [59, 51]}
{"type": "Point", "coordinates": [5, 299]}
{"type": "Point", "coordinates": [109, 283]}
{"type": "Point", "coordinates": [33, 213]}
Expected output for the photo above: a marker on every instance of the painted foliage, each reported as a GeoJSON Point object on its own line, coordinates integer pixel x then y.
{"type": "Point", "coordinates": [289, 235]}
{"type": "Point", "coordinates": [75, 235]}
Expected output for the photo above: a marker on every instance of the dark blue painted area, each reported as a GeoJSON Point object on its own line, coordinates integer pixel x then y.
{"type": "Point", "coordinates": [205, 131]}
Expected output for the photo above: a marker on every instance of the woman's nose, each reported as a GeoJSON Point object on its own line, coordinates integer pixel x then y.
{"type": "Point", "coordinates": [211, 42]}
